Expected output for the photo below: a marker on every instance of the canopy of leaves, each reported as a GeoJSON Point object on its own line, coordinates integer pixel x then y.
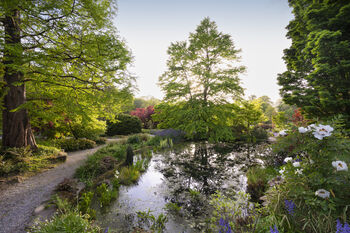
{"type": "Point", "coordinates": [318, 62]}
{"type": "Point", "coordinates": [73, 63]}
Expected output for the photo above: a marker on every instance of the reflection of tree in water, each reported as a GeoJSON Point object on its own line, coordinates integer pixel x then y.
{"type": "Point", "coordinates": [205, 168]}
{"type": "Point", "coordinates": [197, 167]}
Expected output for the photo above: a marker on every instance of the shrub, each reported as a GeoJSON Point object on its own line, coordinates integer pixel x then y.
{"type": "Point", "coordinates": [91, 129]}
{"type": "Point", "coordinates": [124, 125]}
{"type": "Point", "coordinates": [133, 139]}
{"type": "Point", "coordinates": [72, 144]}
{"type": "Point", "coordinates": [128, 175]}
{"type": "Point", "coordinates": [100, 140]}
{"type": "Point", "coordinates": [259, 134]}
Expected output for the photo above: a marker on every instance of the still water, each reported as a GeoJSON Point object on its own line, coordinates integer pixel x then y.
{"type": "Point", "coordinates": [186, 175]}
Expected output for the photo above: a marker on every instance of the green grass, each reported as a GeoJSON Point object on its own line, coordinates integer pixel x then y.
{"type": "Point", "coordinates": [67, 219]}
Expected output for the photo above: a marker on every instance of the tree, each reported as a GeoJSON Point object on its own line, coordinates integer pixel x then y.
{"type": "Point", "coordinates": [201, 83]}
{"type": "Point", "coordinates": [318, 62]}
{"type": "Point", "coordinates": [64, 54]}
{"type": "Point", "coordinates": [145, 115]}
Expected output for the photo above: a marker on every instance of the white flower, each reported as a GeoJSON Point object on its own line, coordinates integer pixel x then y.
{"type": "Point", "coordinates": [288, 159]}
{"type": "Point", "coordinates": [283, 133]}
{"type": "Point", "coordinates": [302, 130]}
{"type": "Point", "coordinates": [322, 131]}
{"type": "Point", "coordinates": [299, 171]}
{"type": "Point", "coordinates": [116, 174]}
{"type": "Point", "coordinates": [282, 171]}
{"type": "Point", "coordinates": [311, 161]}
{"type": "Point", "coordinates": [340, 165]}
{"type": "Point", "coordinates": [296, 164]}
{"type": "Point", "coordinates": [311, 127]}
{"type": "Point", "coordinates": [322, 193]}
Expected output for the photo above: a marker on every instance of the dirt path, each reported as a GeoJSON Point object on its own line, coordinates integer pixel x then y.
{"type": "Point", "coordinates": [18, 201]}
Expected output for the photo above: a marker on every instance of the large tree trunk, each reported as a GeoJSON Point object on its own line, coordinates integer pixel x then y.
{"type": "Point", "coordinates": [17, 131]}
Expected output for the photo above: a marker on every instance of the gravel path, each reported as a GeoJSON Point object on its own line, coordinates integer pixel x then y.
{"type": "Point", "coordinates": [18, 201]}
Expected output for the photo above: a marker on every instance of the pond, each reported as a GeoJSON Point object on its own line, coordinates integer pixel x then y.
{"type": "Point", "coordinates": [178, 183]}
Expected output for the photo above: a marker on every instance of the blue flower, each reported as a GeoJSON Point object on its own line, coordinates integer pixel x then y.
{"type": "Point", "coordinates": [274, 230]}
{"type": "Point", "coordinates": [290, 206]}
{"type": "Point", "coordinates": [341, 228]}
{"type": "Point", "coordinates": [225, 226]}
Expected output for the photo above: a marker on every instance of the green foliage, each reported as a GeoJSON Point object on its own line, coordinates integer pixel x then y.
{"type": "Point", "coordinates": [173, 207]}
{"type": "Point", "coordinates": [129, 175]}
{"type": "Point", "coordinates": [124, 125]}
{"type": "Point", "coordinates": [65, 220]}
{"type": "Point", "coordinates": [100, 140]}
{"type": "Point", "coordinates": [72, 144]}
{"type": "Point", "coordinates": [280, 121]}
{"type": "Point", "coordinates": [302, 180]}
{"type": "Point", "coordinates": [238, 212]}
{"type": "Point", "coordinates": [106, 195]}
{"type": "Point", "coordinates": [199, 84]}
{"type": "Point", "coordinates": [70, 60]}
{"type": "Point", "coordinates": [91, 169]}
{"type": "Point", "coordinates": [84, 205]}
{"type": "Point", "coordinates": [257, 182]}
{"type": "Point", "coordinates": [318, 60]}
{"type": "Point", "coordinates": [23, 160]}
{"type": "Point", "coordinates": [144, 102]}
{"type": "Point", "coordinates": [90, 129]}
{"type": "Point", "coordinates": [157, 224]}
{"type": "Point", "coordinates": [135, 139]}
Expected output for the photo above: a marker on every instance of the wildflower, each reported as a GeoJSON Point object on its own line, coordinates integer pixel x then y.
{"type": "Point", "coordinates": [322, 193]}
{"type": "Point", "coordinates": [311, 161]}
{"type": "Point", "coordinates": [302, 130]}
{"type": "Point", "coordinates": [274, 230]}
{"type": "Point", "coordinates": [282, 171]}
{"type": "Point", "coordinates": [299, 171]}
{"type": "Point", "coordinates": [322, 131]}
{"type": "Point", "coordinates": [341, 228]}
{"type": "Point", "coordinates": [116, 174]}
{"type": "Point", "coordinates": [340, 165]}
{"type": "Point", "coordinates": [288, 159]}
{"type": "Point", "coordinates": [296, 164]}
{"type": "Point", "coordinates": [311, 127]}
{"type": "Point", "coordinates": [290, 206]}
{"type": "Point", "coordinates": [283, 133]}
{"type": "Point", "coordinates": [225, 226]}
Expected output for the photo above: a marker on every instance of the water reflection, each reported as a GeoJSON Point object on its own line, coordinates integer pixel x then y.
{"type": "Point", "coordinates": [186, 175]}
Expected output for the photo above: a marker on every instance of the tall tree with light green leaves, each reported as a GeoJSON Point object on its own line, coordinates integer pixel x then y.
{"type": "Point", "coordinates": [318, 61]}
{"type": "Point", "coordinates": [201, 83]}
{"type": "Point", "coordinates": [59, 59]}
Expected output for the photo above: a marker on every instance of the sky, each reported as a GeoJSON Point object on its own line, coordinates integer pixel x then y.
{"type": "Point", "coordinates": [256, 26]}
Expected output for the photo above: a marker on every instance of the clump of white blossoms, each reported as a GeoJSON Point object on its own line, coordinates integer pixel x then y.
{"type": "Point", "coordinates": [299, 171]}
{"type": "Point", "coordinates": [340, 165]}
{"type": "Point", "coordinates": [116, 174]}
{"type": "Point", "coordinates": [296, 164]}
{"type": "Point", "coordinates": [288, 159]}
{"type": "Point", "coordinates": [302, 130]}
{"type": "Point", "coordinates": [283, 133]}
{"type": "Point", "coordinates": [322, 193]}
{"type": "Point", "coordinates": [321, 131]}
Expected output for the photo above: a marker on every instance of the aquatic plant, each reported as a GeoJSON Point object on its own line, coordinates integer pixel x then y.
{"type": "Point", "coordinates": [155, 223]}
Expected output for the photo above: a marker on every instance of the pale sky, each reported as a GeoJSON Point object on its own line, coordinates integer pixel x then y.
{"type": "Point", "coordinates": [256, 26]}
